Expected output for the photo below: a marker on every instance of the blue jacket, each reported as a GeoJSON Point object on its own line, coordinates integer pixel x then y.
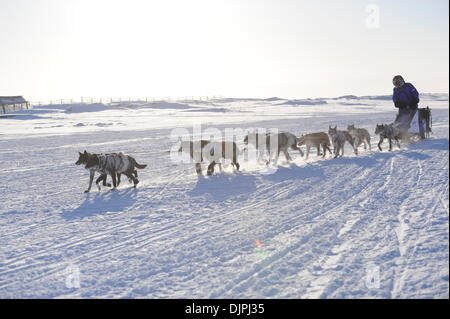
{"type": "Point", "coordinates": [406, 96]}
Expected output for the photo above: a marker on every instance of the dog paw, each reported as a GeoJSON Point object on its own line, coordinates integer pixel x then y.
{"type": "Point", "coordinates": [86, 191]}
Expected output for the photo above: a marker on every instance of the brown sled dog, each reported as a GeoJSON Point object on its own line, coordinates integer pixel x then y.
{"type": "Point", "coordinates": [315, 140]}
{"type": "Point", "coordinates": [284, 141]}
{"type": "Point", "coordinates": [113, 164]}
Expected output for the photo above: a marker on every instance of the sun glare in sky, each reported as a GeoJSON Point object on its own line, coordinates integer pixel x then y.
{"type": "Point", "coordinates": [246, 48]}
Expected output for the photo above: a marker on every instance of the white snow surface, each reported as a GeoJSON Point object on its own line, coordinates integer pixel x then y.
{"type": "Point", "coordinates": [311, 229]}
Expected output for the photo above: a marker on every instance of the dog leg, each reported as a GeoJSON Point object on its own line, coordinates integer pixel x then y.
{"type": "Point", "coordinates": [104, 181]}
{"type": "Point", "coordinates": [390, 145]}
{"type": "Point", "coordinates": [91, 179]}
{"type": "Point", "coordinates": [355, 149]}
{"type": "Point", "coordinates": [336, 150]}
{"type": "Point", "coordinates": [198, 169]}
{"type": "Point", "coordinates": [132, 179]}
{"type": "Point", "coordinates": [101, 178]}
{"type": "Point", "coordinates": [307, 151]}
{"type": "Point", "coordinates": [113, 176]}
{"type": "Point", "coordinates": [328, 148]}
{"type": "Point", "coordinates": [286, 154]}
{"type": "Point", "coordinates": [295, 147]}
{"type": "Point", "coordinates": [211, 168]}
{"type": "Point", "coordinates": [380, 142]}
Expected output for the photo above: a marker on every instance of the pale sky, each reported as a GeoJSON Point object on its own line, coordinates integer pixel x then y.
{"type": "Point", "coordinates": [53, 49]}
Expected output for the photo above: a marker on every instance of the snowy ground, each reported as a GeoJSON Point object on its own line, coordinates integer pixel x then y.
{"type": "Point", "coordinates": [313, 229]}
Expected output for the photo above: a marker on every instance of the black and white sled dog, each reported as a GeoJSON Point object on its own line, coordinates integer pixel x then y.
{"type": "Point", "coordinates": [113, 164]}
{"type": "Point", "coordinates": [390, 132]}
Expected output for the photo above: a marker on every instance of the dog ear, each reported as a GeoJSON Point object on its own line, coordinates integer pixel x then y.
{"type": "Point", "coordinates": [85, 152]}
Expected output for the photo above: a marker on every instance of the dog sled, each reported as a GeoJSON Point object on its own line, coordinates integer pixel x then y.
{"type": "Point", "coordinates": [417, 122]}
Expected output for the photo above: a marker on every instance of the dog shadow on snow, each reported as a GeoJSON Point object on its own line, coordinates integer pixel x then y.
{"type": "Point", "coordinates": [102, 202]}
{"type": "Point", "coordinates": [294, 172]}
{"type": "Point", "coordinates": [239, 185]}
{"type": "Point", "coordinates": [220, 187]}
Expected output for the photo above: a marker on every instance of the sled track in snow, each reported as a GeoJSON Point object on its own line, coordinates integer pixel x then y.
{"type": "Point", "coordinates": [307, 231]}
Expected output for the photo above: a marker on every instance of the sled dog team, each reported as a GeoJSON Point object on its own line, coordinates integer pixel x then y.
{"type": "Point", "coordinates": [117, 164]}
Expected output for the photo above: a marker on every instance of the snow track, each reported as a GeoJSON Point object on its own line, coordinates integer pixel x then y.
{"type": "Point", "coordinates": [309, 230]}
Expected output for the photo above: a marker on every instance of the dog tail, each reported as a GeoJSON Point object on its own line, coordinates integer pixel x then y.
{"type": "Point", "coordinates": [137, 165]}
{"type": "Point", "coordinates": [140, 166]}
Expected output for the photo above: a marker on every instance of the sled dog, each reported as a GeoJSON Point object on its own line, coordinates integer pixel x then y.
{"type": "Point", "coordinates": [212, 152]}
{"type": "Point", "coordinates": [359, 136]}
{"type": "Point", "coordinates": [113, 164]}
{"type": "Point", "coordinates": [83, 159]}
{"type": "Point", "coordinates": [338, 138]}
{"type": "Point", "coordinates": [284, 141]}
{"type": "Point", "coordinates": [390, 132]}
{"type": "Point", "coordinates": [315, 140]}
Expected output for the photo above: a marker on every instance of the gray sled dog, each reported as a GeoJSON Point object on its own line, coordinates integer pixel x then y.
{"type": "Point", "coordinates": [212, 152]}
{"type": "Point", "coordinates": [315, 140]}
{"type": "Point", "coordinates": [359, 136]}
{"type": "Point", "coordinates": [348, 138]}
{"type": "Point", "coordinates": [390, 132]}
{"type": "Point", "coordinates": [338, 138]}
{"type": "Point", "coordinates": [113, 164]}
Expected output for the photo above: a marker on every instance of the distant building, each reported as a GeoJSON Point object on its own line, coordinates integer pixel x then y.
{"type": "Point", "coordinates": [13, 103]}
